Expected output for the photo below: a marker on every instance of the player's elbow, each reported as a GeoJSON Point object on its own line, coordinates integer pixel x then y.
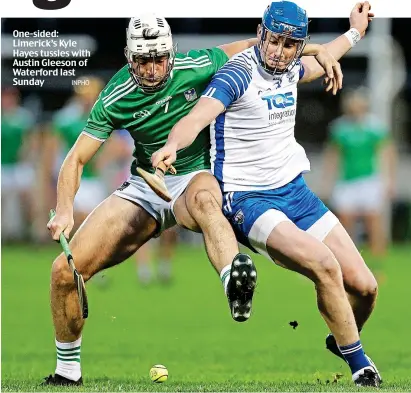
{"type": "Point", "coordinates": [75, 159]}
{"type": "Point", "coordinates": [312, 69]}
{"type": "Point", "coordinates": [83, 150]}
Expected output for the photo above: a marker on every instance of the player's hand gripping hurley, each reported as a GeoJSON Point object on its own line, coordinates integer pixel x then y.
{"type": "Point", "coordinates": [78, 278]}
{"type": "Point", "coordinates": [156, 180]}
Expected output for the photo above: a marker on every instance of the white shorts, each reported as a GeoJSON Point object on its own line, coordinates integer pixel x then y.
{"type": "Point", "coordinates": [90, 193]}
{"type": "Point", "coordinates": [359, 196]}
{"type": "Point", "coordinates": [136, 189]}
{"type": "Point", "coordinates": [19, 177]}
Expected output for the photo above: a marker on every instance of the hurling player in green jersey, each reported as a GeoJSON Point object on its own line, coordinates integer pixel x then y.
{"type": "Point", "coordinates": [146, 97]}
{"type": "Point", "coordinates": [361, 156]}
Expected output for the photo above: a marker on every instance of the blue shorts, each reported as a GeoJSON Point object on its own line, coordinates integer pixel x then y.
{"type": "Point", "coordinates": [254, 214]}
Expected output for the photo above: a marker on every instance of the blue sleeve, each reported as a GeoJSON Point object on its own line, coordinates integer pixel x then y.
{"type": "Point", "coordinates": [230, 83]}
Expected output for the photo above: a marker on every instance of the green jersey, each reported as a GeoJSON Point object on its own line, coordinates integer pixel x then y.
{"type": "Point", "coordinates": [358, 144]}
{"type": "Point", "coordinates": [68, 123]}
{"type": "Point", "coordinates": [14, 128]}
{"type": "Point", "coordinates": [149, 117]}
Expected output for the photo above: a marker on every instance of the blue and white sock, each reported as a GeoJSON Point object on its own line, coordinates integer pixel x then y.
{"type": "Point", "coordinates": [225, 276]}
{"type": "Point", "coordinates": [354, 356]}
{"type": "Point", "coordinates": [68, 359]}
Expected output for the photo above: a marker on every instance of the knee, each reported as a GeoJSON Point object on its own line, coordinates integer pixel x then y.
{"type": "Point", "coordinates": [202, 201]}
{"type": "Point", "coordinates": [61, 275]}
{"type": "Point", "coordinates": [327, 270]}
{"type": "Point", "coordinates": [365, 286]}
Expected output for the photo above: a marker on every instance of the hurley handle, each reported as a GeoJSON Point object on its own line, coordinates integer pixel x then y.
{"type": "Point", "coordinates": [63, 240]}
{"type": "Point", "coordinates": [162, 169]}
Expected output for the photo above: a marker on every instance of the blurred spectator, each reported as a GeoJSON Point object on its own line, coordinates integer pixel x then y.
{"type": "Point", "coordinates": [360, 156]}
{"type": "Point", "coordinates": [19, 154]}
{"type": "Point", "coordinates": [66, 126]}
{"type": "Point", "coordinates": [161, 250]}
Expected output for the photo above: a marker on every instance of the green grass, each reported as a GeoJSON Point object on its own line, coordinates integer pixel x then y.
{"type": "Point", "coordinates": [187, 327]}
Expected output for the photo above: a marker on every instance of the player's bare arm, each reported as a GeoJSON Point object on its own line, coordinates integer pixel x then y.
{"type": "Point", "coordinates": [206, 110]}
{"type": "Point", "coordinates": [325, 62]}
{"type": "Point", "coordinates": [317, 60]}
{"type": "Point", "coordinates": [186, 130]}
{"type": "Point", "coordinates": [324, 59]}
{"type": "Point", "coordinates": [68, 184]}
{"type": "Point", "coordinates": [359, 19]}
{"type": "Point", "coordinates": [235, 47]}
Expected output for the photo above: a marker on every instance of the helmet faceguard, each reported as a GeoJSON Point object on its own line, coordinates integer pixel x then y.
{"type": "Point", "coordinates": [287, 23]}
{"type": "Point", "coordinates": [149, 40]}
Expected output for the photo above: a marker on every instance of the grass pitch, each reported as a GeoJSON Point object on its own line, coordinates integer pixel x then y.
{"type": "Point", "coordinates": [187, 327]}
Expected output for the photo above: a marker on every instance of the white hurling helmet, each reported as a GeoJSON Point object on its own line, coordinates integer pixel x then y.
{"type": "Point", "coordinates": [149, 36]}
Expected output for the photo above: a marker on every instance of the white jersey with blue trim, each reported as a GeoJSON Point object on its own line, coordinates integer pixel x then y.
{"type": "Point", "coordinates": [252, 142]}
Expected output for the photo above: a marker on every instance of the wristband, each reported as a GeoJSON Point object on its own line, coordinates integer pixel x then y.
{"type": "Point", "coordinates": [353, 36]}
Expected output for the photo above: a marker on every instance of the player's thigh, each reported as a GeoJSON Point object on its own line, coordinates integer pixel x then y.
{"type": "Point", "coordinates": [357, 276]}
{"type": "Point", "coordinates": [203, 183]}
{"type": "Point", "coordinates": [297, 250]}
{"type": "Point", "coordinates": [111, 233]}
{"type": "Point", "coordinates": [275, 236]}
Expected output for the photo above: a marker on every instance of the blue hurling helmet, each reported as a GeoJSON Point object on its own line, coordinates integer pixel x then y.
{"type": "Point", "coordinates": [287, 19]}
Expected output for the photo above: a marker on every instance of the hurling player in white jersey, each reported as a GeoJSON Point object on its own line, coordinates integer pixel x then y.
{"type": "Point", "coordinates": [251, 106]}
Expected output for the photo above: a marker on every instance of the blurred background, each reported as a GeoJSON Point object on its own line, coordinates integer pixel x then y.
{"type": "Point", "coordinates": [364, 176]}
{"type": "Point", "coordinates": [359, 144]}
